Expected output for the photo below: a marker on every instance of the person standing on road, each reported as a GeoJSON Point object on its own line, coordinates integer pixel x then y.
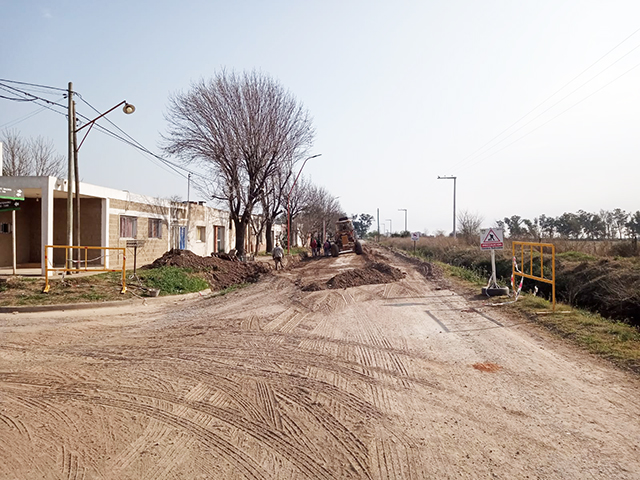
{"type": "Point", "coordinates": [314, 247]}
{"type": "Point", "coordinates": [277, 254]}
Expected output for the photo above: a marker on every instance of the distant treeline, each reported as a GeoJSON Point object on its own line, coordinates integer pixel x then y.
{"type": "Point", "coordinates": [607, 224]}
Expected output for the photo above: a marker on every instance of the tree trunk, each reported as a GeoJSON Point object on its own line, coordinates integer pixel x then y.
{"type": "Point", "coordinates": [241, 228]}
{"type": "Point", "coordinates": [269, 238]}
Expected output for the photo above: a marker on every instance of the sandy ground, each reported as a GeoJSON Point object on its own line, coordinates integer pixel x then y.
{"type": "Point", "coordinates": [396, 381]}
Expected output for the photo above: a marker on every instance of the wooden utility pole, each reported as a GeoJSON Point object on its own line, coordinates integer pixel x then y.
{"type": "Point", "coordinates": [76, 175]}
{"type": "Point", "coordinates": [70, 171]}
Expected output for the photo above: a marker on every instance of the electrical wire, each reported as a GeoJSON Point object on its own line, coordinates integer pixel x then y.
{"type": "Point", "coordinates": [22, 119]}
{"type": "Point", "coordinates": [553, 118]}
{"type": "Point", "coordinates": [33, 85]}
{"type": "Point", "coordinates": [479, 152]}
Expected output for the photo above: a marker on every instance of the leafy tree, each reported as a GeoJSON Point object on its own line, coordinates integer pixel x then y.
{"type": "Point", "coordinates": [547, 225]}
{"type": "Point", "coordinates": [592, 224]}
{"type": "Point", "coordinates": [633, 225]}
{"type": "Point", "coordinates": [514, 224]}
{"type": "Point", "coordinates": [568, 225]}
{"type": "Point", "coordinates": [243, 128]}
{"type": "Point", "coordinates": [533, 228]}
{"type": "Point", "coordinates": [362, 223]}
{"type": "Point", "coordinates": [619, 223]}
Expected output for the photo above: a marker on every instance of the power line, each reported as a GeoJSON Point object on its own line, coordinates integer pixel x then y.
{"type": "Point", "coordinates": [22, 119]}
{"type": "Point", "coordinates": [478, 153]}
{"type": "Point", "coordinates": [553, 118]}
{"type": "Point", "coordinates": [33, 85]}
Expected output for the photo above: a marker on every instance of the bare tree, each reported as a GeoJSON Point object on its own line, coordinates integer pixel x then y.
{"type": "Point", "coordinates": [243, 128]}
{"type": "Point", "coordinates": [470, 224]}
{"type": "Point", "coordinates": [319, 208]}
{"type": "Point", "coordinates": [36, 156]}
{"type": "Point", "coordinates": [274, 198]}
{"type": "Point", "coordinates": [44, 159]}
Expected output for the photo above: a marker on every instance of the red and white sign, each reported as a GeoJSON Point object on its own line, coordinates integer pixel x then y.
{"type": "Point", "coordinates": [415, 236]}
{"type": "Point", "coordinates": [491, 239]}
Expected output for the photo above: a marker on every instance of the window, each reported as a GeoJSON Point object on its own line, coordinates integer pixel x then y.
{"type": "Point", "coordinates": [202, 234]}
{"type": "Point", "coordinates": [128, 227]}
{"type": "Point", "coordinates": [5, 228]}
{"type": "Point", "coordinates": [155, 228]}
{"type": "Point", "coordinates": [219, 239]}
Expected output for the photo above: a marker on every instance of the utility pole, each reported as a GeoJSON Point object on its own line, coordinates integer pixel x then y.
{"type": "Point", "coordinates": [454, 201]}
{"type": "Point", "coordinates": [390, 226]}
{"type": "Point", "coordinates": [378, 224]}
{"type": "Point", "coordinates": [70, 171]}
{"type": "Point", "coordinates": [405, 218]}
{"type": "Point", "coordinates": [188, 209]}
{"type": "Point", "coordinates": [76, 175]}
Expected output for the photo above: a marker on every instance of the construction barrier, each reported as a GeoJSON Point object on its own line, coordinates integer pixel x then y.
{"type": "Point", "coordinates": [537, 250]}
{"type": "Point", "coordinates": [71, 265]}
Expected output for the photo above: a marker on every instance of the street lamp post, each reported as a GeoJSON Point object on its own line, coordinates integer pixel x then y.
{"type": "Point", "coordinates": [289, 203]}
{"type": "Point", "coordinates": [405, 218]}
{"type": "Point", "coordinates": [74, 147]}
{"type": "Point", "coordinates": [454, 201]}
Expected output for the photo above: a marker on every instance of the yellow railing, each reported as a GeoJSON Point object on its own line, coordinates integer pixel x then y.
{"type": "Point", "coordinates": [537, 248]}
{"type": "Point", "coordinates": [70, 261]}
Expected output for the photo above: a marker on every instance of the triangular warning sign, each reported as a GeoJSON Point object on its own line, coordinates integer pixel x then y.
{"type": "Point", "coordinates": [491, 237]}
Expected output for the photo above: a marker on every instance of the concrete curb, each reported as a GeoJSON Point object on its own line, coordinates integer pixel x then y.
{"type": "Point", "coordinates": [88, 305]}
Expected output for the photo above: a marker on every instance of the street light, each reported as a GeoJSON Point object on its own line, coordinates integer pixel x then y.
{"type": "Point", "coordinates": [405, 218]}
{"type": "Point", "coordinates": [289, 203]}
{"type": "Point", "coordinates": [454, 201]}
{"type": "Point", "coordinates": [73, 172]}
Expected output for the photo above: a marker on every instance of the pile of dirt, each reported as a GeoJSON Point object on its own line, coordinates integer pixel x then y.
{"type": "Point", "coordinates": [374, 273]}
{"type": "Point", "coordinates": [219, 272]}
{"type": "Point", "coordinates": [428, 270]}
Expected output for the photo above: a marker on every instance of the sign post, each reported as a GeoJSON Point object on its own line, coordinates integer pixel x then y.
{"type": "Point", "coordinates": [493, 239]}
{"type": "Point", "coordinates": [415, 236]}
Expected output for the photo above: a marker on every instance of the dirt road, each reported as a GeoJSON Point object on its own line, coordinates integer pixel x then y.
{"type": "Point", "coordinates": [395, 381]}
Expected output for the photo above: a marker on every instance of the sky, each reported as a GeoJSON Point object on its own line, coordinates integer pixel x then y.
{"type": "Point", "coordinates": [533, 106]}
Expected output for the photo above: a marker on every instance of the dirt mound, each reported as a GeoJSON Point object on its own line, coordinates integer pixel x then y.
{"type": "Point", "coordinates": [219, 272]}
{"type": "Point", "coordinates": [374, 273]}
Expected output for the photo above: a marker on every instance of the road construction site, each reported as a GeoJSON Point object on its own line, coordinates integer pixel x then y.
{"type": "Point", "coordinates": [355, 367]}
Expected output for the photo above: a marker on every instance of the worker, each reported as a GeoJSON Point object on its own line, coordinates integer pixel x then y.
{"type": "Point", "coordinates": [327, 248]}
{"type": "Point", "coordinates": [277, 254]}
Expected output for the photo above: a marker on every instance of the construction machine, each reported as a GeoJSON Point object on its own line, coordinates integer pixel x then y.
{"type": "Point", "coordinates": [345, 239]}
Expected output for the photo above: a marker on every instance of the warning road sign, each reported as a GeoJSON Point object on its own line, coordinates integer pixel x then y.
{"type": "Point", "coordinates": [491, 239]}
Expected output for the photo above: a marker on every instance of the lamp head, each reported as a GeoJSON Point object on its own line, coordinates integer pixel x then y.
{"type": "Point", "coordinates": [128, 108]}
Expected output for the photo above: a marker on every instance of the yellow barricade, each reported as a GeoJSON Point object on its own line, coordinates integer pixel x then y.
{"type": "Point", "coordinates": [539, 249]}
{"type": "Point", "coordinates": [70, 261]}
